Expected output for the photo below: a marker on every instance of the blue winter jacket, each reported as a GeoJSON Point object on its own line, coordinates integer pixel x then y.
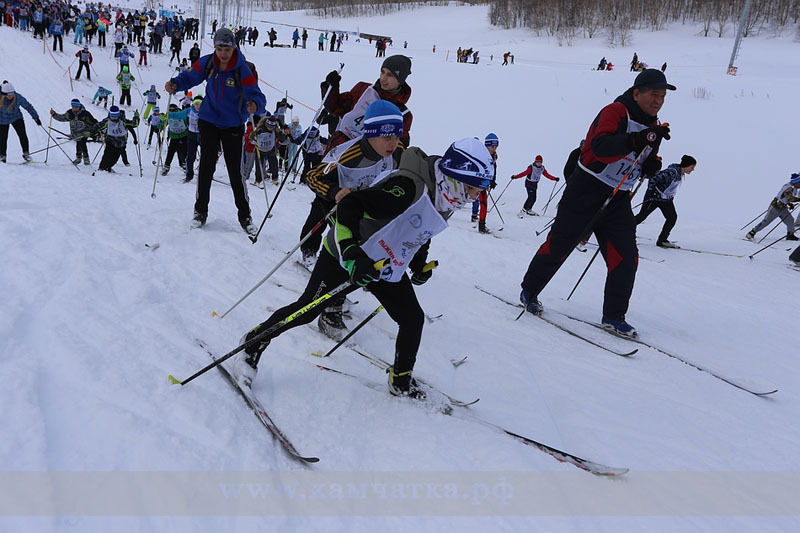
{"type": "Point", "coordinates": [10, 111]}
{"type": "Point", "coordinates": [224, 104]}
{"type": "Point", "coordinates": [56, 28]}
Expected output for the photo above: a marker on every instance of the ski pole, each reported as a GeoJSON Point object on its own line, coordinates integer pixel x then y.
{"type": "Point", "coordinates": [501, 194]}
{"type": "Point", "coordinates": [587, 230]}
{"type": "Point", "coordinates": [343, 289]}
{"type": "Point", "coordinates": [778, 223]}
{"type": "Point", "coordinates": [49, 136]}
{"type": "Point", "coordinates": [54, 144]}
{"type": "Point", "coordinates": [60, 148]}
{"type": "Point", "coordinates": [429, 266]}
{"type": "Point", "coordinates": [254, 238]}
{"type": "Point", "coordinates": [585, 270]}
{"type": "Point", "coordinates": [556, 193]}
{"type": "Point", "coordinates": [352, 332]}
{"type": "Point", "coordinates": [161, 148]}
{"type": "Point", "coordinates": [552, 193]}
{"type": "Point", "coordinates": [545, 227]}
{"type": "Point", "coordinates": [489, 194]}
{"type": "Point", "coordinates": [99, 149]}
{"type": "Point", "coordinates": [258, 160]}
{"type": "Point", "coordinates": [282, 261]}
{"type": "Point", "coordinates": [759, 216]}
{"type": "Point", "coordinates": [767, 246]}
{"type": "Point", "coordinates": [633, 193]}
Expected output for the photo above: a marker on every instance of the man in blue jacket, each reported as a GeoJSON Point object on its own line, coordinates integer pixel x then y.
{"type": "Point", "coordinates": [231, 95]}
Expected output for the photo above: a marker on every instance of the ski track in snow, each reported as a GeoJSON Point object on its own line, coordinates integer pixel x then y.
{"type": "Point", "coordinates": [93, 320]}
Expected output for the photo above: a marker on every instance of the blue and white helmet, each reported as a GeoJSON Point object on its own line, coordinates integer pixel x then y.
{"type": "Point", "coordinates": [795, 179]}
{"type": "Point", "coordinates": [491, 140]}
{"type": "Point", "coordinates": [468, 161]}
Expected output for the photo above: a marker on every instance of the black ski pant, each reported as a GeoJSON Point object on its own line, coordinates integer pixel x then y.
{"type": "Point", "coordinates": [530, 188]}
{"type": "Point", "coordinates": [176, 55]}
{"type": "Point", "coordinates": [154, 131]}
{"type": "Point", "coordinates": [58, 40]}
{"type": "Point", "coordinates": [110, 156]}
{"type": "Point", "coordinates": [126, 95]}
{"type": "Point", "coordinates": [667, 208]}
{"type": "Point", "coordinates": [176, 146]}
{"type": "Point", "coordinates": [101, 38]}
{"type": "Point", "coordinates": [282, 151]}
{"type": "Point", "coordinates": [615, 231]}
{"type": "Point", "coordinates": [231, 139]}
{"type": "Point", "coordinates": [81, 66]}
{"type": "Point", "coordinates": [795, 255]}
{"type": "Point", "coordinates": [81, 149]}
{"type": "Point", "coordinates": [270, 158]}
{"type": "Point", "coordinates": [398, 299]}
{"type": "Point", "coordinates": [19, 127]}
{"type": "Point", "coordinates": [192, 141]}
{"type": "Point", "coordinates": [319, 208]}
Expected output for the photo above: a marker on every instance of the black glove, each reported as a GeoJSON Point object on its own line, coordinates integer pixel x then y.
{"type": "Point", "coordinates": [359, 265]}
{"type": "Point", "coordinates": [419, 278]}
{"type": "Point", "coordinates": [651, 166]}
{"type": "Point", "coordinates": [135, 142]}
{"type": "Point", "coordinates": [37, 121]}
{"type": "Point", "coordinates": [493, 184]}
{"type": "Point", "coordinates": [651, 136]}
{"type": "Point", "coordinates": [333, 78]}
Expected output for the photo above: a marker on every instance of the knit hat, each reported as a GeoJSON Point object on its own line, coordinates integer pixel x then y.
{"type": "Point", "coordinates": [491, 140]}
{"type": "Point", "coordinates": [383, 119]}
{"type": "Point", "coordinates": [198, 98]}
{"type": "Point", "coordinates": [7, 88]}
{"type": "Point", "coordinates": [75, 103]}
{"type": "Point", "coordinates": [687, 161]}
{"type": "Point", "coordinates": [795, 179]}
{"type": "Point", "coordinates": [85, 47]}
{"type": "Point", "coordinates": [468, 161]}
{"type": "Point", "coordinates": [156, 110]}
{"type": "Point", "coordinates": [295, 120]}
{"type": "Point", "coordinates": [224, 37]}
{"type": "Point", "coordinates": [152, 87]}
{"type": "Point", "coordinates": [538, 159]}
{"type": "Point", "coordinates": [399, 66]}
{"type": "Point", "coordinates": [312, 132]}
{"type": "Point", "coordinates": [113, 112]}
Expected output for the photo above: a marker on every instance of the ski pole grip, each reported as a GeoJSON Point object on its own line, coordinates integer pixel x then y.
{"type": "Point", "coordinates": [430, 266]}
{"type": "Point", "coordinates": [380, 265]}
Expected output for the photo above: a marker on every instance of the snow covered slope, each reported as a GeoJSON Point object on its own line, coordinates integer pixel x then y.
{"type": "Point", "coordinates": [95, 316]}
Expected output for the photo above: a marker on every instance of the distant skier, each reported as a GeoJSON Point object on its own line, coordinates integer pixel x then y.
{"type": "Point", "coordinates": [11, 115]}
{"type": "Point", "coordinates": [532, 175]}
{"type": "Point", "coordinates": [101, 95]}
{"type": "Point", "coordinates": [661, 190]}
{"type": "Point", "coordinates": [177, 131]}
{"type": "Point", "coordinates": [125, 78]}
{"type": "Point", "coordinates": [479, 206]}
{"type": "Point", "coordinates": [81, 125]}
{"type": "Point", "coordinates": [151, 99]}
{"type": "Point", "coordinates": [84, 61]}
{"type": "Point", "coordinates": [267, 134]}
{"type": "Point", "coordinates": [781, 207]}
{"type": "Point", "coordinates": [115, 138]}
{"type": "Point", "coordinates": [156, 121]}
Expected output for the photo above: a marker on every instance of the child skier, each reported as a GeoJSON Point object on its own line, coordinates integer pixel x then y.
{"type": "Point", "coordinates": [81, 125]}
{"type": "Point", "coordinates": [116, 137]}
{"type": "Point", "coordinates": [151, 98]}
{"type": "Point", "coordinates": [350, 167]}
{"type": "Point", "coordinates": [193, 138]}
{"type": "Point", "coordinates": [84, 61]}
{"type": "Point", "coordinates": [142, 52]}
{"type": "Point", "coordinates": [781, 207]}
{"type": "Point", "coordinates": [156, 123]}
{"type": "Point", "coordinates": [101, 95]}
{"type": "Point", "coordinates": [479, 205]}
{"type": "Point", "coordinates": [267, 135]}
{"type": "Point", "coordinates": [313, 148]}
{"type": "Point", "coordinates": [125, 78]}
{"type": "Point", "coordinates": [371, 225]}
{"type": "Point", "coordinates": [532, 176]}
{"type": "Point", "coordinates": [177, 131]}
{"type": "Point", "coordinates": [661, 190]}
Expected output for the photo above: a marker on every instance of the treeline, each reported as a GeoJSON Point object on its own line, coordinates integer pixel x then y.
{"type": "Point", "coordinates": [615, 19]}
{"type": "Point", "coordinates": [353, 8]}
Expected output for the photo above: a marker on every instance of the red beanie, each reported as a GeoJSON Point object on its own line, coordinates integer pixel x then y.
{"type": "Point", "coordinates": [538, 158]}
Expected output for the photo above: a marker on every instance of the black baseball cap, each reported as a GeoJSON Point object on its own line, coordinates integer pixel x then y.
{"type": "Point", "coordinates": [652, 79]}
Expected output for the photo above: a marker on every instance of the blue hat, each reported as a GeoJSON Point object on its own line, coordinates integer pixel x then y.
{"type": "Point", "coordinates": [113, 112]}
{"type": "Point", "coordinates": [75, 103]}
{"type": "Point", "coordinates": [156, 109]}
{"type": "Point", "coordinates": [383, 119]}
{"type": "Point", "coordinates": [468, 161]}
{"type": "Point", "coordinates": [312, 132]}
{"type": "Point", "coordinates": [491, 140]}
{"type": "Point", "coordinates": [795, 179]}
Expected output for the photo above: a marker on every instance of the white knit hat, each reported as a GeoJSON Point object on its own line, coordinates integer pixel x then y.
{"type": "Point", "coordinates": [7, 88]}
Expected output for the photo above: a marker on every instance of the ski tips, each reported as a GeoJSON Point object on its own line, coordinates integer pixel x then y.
{"type": "Point", "coordinates": [520, 315]}
{"type": "Point", "coordinates": [316, 354]}
{"type": "Point", "coordinates": [173, 380]}
{"type": "Point", "coordinates": [214, 313]}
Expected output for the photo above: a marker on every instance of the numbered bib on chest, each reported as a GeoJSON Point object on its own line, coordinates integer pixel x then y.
{"type": "Point", "coordinates": [352, 123]}
{"type": "Point", "coordinates": [266, 141]}
{"type": "Point", "coordinates": [400, 239]}
{"type": "Point", "coordinates": [116, 128]}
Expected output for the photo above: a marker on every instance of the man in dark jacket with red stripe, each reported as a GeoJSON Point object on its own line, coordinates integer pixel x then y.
{"type": "Point", "coordinates": [232, 95]}
{"type": "Point", "coordinates": [620, 147]}
{"type": "Point", "coordinates": [350, 106]}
